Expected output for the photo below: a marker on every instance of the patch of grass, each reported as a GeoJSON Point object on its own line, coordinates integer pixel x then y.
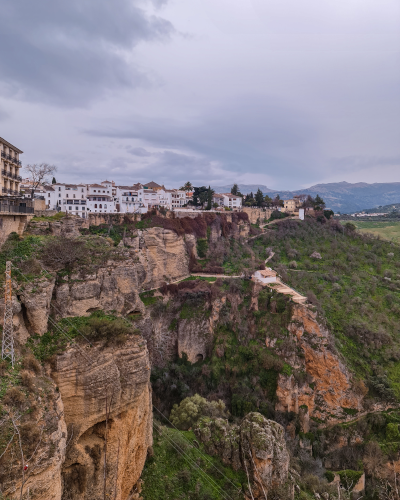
{"type": "Point", "coordinates": [167, 475]}
{"type": "Point", "coordinates": [49, 218]}
{"type": "Point", "coordinates": [387, 230]}
{"type": "Point", "coordinates": [148, 298]}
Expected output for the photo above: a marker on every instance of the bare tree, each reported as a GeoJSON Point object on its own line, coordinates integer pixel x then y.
{"type": "Point", "coordinates": [38, 173]}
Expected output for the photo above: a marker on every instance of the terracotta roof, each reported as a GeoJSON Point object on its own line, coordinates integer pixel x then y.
{"type": "Point", "coordinates": [152, 184]}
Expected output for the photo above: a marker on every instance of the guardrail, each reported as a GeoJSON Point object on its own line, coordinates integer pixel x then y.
{"type": "Point", "coordinates": [16, 209]}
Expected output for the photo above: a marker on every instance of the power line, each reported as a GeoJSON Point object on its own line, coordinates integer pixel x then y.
{"type": "Point", "coordinates": [202, 454]}
{"type": "Point", "coordinates": [194, 464]}
{"type": "Point", "coordinates": [91, 361]}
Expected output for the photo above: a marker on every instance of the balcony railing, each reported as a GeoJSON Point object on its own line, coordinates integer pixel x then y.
{"type": "Point", "coordinates": [15, 209]}
{"type": "Point", "coordinates": [11, 158]}
{"type": "Point", "coordinates": [7, 173]}
{"type": "Point", "coordinates": [9, 191]}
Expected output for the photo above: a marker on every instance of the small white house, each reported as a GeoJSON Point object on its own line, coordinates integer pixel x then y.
{"type": "Point", "coordinates": [266, 275]}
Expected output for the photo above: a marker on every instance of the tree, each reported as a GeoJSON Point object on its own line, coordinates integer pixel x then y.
{"type": "Point", "coordinates": [319, 203]}
{"type": "Point", "coordinates": [200, 195]}
{"type": "Point", "coordinates": [267, 200]}
{"type": "Point", "coordinates": [210, 193]}
{"type": "Point", "coordinates": [190, 410]}
{"type": "Point", "coordinates": [53, 181]}
{"type": "Point", "coordinates": [235, 189]}
{"type": "Point", "coordinates": [259, 197]}
{"type": "Point", "coordinates": [38, 173]}
{"type": "Point", "coordinates": [187, 187]}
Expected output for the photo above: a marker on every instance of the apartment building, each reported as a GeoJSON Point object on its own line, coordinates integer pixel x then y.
{"type": "Point", "coordinates": [228, 200]}
{"type": "Point", "coordinates": [127, 200]}
{"type": "Point", "coordinates": [100, 199]}
{"type": "Point", "coordinates": [10, 165]}
{"type": "Point", "coordinates": [289, 206]}
{"type": "Point", "coordinates": [71, 198]}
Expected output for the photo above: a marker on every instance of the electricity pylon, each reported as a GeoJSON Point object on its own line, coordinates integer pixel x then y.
{"type": "Point", "coordinates": [7, 346]}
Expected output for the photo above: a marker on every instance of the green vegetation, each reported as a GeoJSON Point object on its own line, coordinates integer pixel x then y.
{"type": "Point", "coordinates": [190, 410]}
{"type": "Point", "coordinates": [49, 218]}
{"type": "Point", "coordinates": [243, 370]}
{"type": "Point", "coordinates": [98, 327]}
{"type": "Point", "coordinates": [355, 284]}
{"type": "Point", "coordinates": [387, 230]}
{"type": "Point", "coordinates": [168, 475]}
{"type": "Point", "coordinates": [148, 298]}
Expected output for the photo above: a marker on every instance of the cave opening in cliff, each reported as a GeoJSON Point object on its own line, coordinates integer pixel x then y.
{"type": "Point", "coordinates": [199, 357]}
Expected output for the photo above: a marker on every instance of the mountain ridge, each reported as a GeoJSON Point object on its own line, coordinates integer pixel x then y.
{"type": "Point", "coordinates": [339, 196]}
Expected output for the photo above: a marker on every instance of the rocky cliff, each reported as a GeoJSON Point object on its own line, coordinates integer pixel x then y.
{"type": "Point", "coordinates": [257, 445]}
{"type": "Point", "coordinates": [108, 412]}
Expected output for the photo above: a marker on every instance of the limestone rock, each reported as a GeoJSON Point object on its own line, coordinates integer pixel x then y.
{"type": "Point", "coordinates": [264, 447]}
{"type": "Point", "coordinates": [114, 378]}
{"type": "Point", "coordinates": [257, 444]}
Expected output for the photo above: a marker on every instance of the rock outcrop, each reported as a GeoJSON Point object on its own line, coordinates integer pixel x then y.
{"type": "Point", "coordinates": [256, 445]}
{"type": "Point", "coordinates": [108, 411]}
{"type": "Point", "coordinates": [328, 392]}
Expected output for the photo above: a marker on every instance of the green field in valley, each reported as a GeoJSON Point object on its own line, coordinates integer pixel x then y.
{"type": "Point", "coordinates": [387, 230]}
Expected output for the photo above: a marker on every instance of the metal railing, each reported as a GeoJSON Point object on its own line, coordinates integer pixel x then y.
{"type": "Point", "coordinates": [16, 209]}
{"type": "Point", "coordinates": [7, 173]}
{"type": "Point", "coordinates": [11, 158]}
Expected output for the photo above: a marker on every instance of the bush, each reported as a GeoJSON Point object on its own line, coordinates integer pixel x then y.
{"type": "Point", "coordinates": [14, 397]}
{"type": "Point", "coordinates": [293, 264]}
{"type": "Point", "coordinates": [27, 380]}
{"type": "Point", "coordinates": [190, 410]}
{"type": "Point", "coordinates": [392, 432]}
{"type": "Point", "coordinates": [110, 331]}
{"type": "Point", "coordinates": [63, 253]}
{"type": "Point", "coordinates": [31, 363]}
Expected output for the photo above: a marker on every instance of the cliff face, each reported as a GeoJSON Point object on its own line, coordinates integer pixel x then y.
{"type": "Point", "coordinates": [328, 389]}
{"type": "Point", "coordinates": [108, 411]}
{"type": "Point", "coordinates": [256, 445]}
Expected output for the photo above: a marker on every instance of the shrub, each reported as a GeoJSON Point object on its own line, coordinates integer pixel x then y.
{"type": "Point", "coordinates": [293, 264]}
{"type": "Point", "coordinates": [392, 432]}
{"type": "Point", "coordinates": [315, 255]}
{"type": "Point", "coordinates": [3, 368]}
{"type": "Point", "coordinates": [30, 435]}
{"type": "Point", "coordinates": [27, 380]}
{"type": "Point", "coordinates": [31, 363]}
{"type": "Point", "coordinates": [110, 331]}
{"type": "Point", "coordinates": [14, 397]}
{"type": "Point", "coordinates": [190, 410]}
{"type": "Point", "coordinates": [63, 253]}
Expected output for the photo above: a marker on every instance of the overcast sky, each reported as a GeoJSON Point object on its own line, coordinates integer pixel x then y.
{"type": "Point", "coordinates": [285, 93]}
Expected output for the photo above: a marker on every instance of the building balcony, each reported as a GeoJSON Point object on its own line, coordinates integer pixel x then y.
{"type": "Point", "coordinates": [10, 175]}
{"type": "Point", "coordinates": [9, 191]}
{"type": "Point", "coordinates": [11, 158]}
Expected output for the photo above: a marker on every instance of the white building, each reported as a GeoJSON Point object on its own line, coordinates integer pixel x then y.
{"type": "Point", "coordinates": [227, 200]}
{"type": "Point", "coordinates": [149, 198]}
{"type": "Point", "coordinates": [127, 200]}
{"type": "Point", "coordinates": [265, 275]}
{"type": "Point", "coordinates": [69, 198]}
{"type": "Point", "coordinates": [100, 199]}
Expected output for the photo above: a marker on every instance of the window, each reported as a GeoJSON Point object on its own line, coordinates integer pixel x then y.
{"type": "Point", "coordinates": [70, 208]}
{"type": "Point", "coordinates": [59, 189]}
{"type": "Point", "coordinates": [66, 195]}
{"type": "Point", "coordinates": [100, 206]}
{"type": "Point", "coordinates": [48, 195]}
{"type": "Point", "coordinates": [73, 196]}
{"type": "Point", "coordinates": [76, 208]}
{"type": "Point", "coordinates": [82, 191]}
{"type": "Point", "coordinates": [94, 190]}
{"type": "Point", "coordinates": [95, 205]}
{"type": "Point", "coordinates": [105, 206]}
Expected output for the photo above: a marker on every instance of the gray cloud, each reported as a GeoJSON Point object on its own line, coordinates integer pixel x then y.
{"type": "Point", "coordinates": [138, 152]}
{"type": "Point", "coordinates": [68, 53]}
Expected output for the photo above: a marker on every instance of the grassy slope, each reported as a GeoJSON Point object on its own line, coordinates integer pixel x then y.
{"type": "Point", "coordinates": [389, 230]}
{"type": "Point", "coordinates": [361, 306]}
{"type": "Point", "coordinates": [169, 475]}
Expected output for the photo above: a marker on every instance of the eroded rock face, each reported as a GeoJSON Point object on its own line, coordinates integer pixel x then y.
{"type": "Point", "coordinates": [257, 445]}
{"type": "Point", "coordinates": [330, 389]}
{"type": "Point", "coordinates": [43, 476]}
{"type": "Point", "coordinates": [264, 447]}
{"type": "Point", "coordinates": [107, 408]}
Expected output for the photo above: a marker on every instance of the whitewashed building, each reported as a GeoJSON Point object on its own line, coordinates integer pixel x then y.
{"type": "Point", "coordinates": [266, 275]}
{"type": "Point", "coordinates": [127, 200]}
{"type": "Point", "coordinates": [100, 199]}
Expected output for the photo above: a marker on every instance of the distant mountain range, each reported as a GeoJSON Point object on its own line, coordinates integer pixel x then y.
{"type": "Point", "coordinates": [341, 197]}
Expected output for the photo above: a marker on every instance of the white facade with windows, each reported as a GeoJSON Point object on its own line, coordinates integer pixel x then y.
{"type": "Point", "coordinates": [71, 198]}
{"type": "Point", "coordinates": [127, 200]}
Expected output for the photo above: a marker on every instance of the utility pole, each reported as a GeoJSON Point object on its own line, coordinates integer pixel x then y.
{"type": "Point", "coordinates": [7, 346]}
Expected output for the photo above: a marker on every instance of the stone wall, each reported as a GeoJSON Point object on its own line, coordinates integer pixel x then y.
{"type": "Point", "coordinates": [10, 223]}
{"type": "Point", "coordinates": [257, 214]}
